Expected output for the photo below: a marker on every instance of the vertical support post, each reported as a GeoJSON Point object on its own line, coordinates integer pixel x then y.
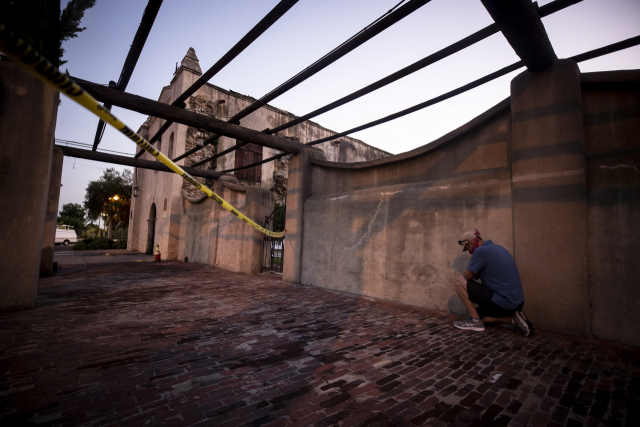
{"type": "Point", "coordinates": [50, 224]}
{"type": "Point", "coordinates": [550, 197]}
{"type": "Point", "coordinates": [299, 188]}
{"type": "Point", "coordinates": [27, 124]}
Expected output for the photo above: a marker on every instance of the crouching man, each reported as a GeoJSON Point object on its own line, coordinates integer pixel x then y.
{"type": "Point", "coordinates": [499, 297]}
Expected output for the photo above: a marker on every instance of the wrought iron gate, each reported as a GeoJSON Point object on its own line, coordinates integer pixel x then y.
{"type": "Point", "coordinates": [273, 247]}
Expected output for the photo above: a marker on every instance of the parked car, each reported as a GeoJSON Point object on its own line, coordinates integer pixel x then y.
{"type": "Point", "coordinates": [65, 234]}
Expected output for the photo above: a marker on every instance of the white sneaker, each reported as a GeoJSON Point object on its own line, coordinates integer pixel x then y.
{"type": "Point", "coordinates": [520, 320]}
{"type": "Point", "coordinates": [469, 325]}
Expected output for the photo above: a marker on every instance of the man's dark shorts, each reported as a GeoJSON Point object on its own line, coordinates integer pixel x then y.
{"type": "Point", "coordinates": [481, 295]}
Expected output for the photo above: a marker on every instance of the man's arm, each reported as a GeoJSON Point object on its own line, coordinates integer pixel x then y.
{"type": "Point", "coordinates": [469, 275]}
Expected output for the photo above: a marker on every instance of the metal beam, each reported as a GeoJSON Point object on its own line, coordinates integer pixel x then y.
{"type": "Point", "coordinates": [615, 47]}
{"type": "Point", "coordinates": [346, 47]}
{"type": "Point", "coordinates": [148, 18]}
{"type": "Point", "coordinates": [521, 25]}
{"type": "Point", "coordinates": [169, 112]}
{"type": "Point", "coordinates": [220, 154]}
{"type": "Point", "coordinates": [196, 148]}
{"type": "Point", "coordinates": [101, 123]}
{"type": "Point", "coordinates": [129, 161]}
{"type": "Point", "coordinates": [262, 26]}
{"type": "Point", "coordinates": [270, 159]}
{"type": "Point", "coordinates": [545, 10]}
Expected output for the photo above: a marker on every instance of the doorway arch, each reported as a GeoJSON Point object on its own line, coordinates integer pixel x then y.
{"type": "Point", "coordinates": [151, 229]}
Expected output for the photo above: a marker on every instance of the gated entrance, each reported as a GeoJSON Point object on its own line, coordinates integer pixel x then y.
{"type": "Point", "coordinates": [273, 247]}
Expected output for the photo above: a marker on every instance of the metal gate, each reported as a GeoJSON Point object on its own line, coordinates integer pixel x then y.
{"type": "Point", "coordinates": [273, 247]}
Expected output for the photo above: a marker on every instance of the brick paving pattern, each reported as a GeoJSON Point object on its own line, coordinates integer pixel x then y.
{"type": "Point", "coordinates": [182, 344]}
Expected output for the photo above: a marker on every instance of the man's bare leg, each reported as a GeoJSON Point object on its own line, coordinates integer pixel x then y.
{"type": "Point", "coordinates": [497, 320]}
{"type": "Point", "coordinates": [461, 289]}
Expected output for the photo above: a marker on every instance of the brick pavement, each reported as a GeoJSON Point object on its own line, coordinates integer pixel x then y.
{"type": "Point", "coordinates": [182, 344]}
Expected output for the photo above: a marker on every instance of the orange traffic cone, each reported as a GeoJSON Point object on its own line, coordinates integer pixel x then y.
{"type": "Point", "coordinates": [156, 257]}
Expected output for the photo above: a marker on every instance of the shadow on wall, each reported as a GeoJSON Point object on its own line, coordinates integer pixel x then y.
{"type": "Point", "coordinates": [459, 266]}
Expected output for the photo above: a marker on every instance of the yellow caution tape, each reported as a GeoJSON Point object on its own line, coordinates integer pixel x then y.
{"type": "Point", "coordinates": [26, 57]}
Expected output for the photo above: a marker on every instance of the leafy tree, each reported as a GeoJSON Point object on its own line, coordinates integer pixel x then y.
{"type": "Point", "coordinates": [110, 195]}
{"type": "Point", "coordinates": [70, 21]}
{"type": "Point", "coordinates": [35, 21]}
{"type": "Point", "coordinates": [92, 231]}
{"type": "Point", "coordinates": [72, 210]}
{"type": "Point", "coordinates": [78, 225]}
{"type": "Point", "coordinates": [279, 215]}
{"type": "Point", "coordinates": [41, 24]}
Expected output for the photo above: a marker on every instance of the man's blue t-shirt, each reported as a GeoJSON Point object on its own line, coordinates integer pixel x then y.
{"type": "Point", "coordinates": [498, 270]}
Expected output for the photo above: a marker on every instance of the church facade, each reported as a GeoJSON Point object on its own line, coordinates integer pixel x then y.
{"type": "Point", "coordinates": [161, 212]}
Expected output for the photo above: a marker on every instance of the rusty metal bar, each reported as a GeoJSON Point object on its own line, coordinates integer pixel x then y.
{"type": "Point", "coordinates": [633, 41]}
{"type": "Point", "coordinates": [325, 61]}
{"type": "Point", "coordinates": [521, 26]}
{"type": "Point", "coordinates": [169, 112]}
{"type": "Point", "coordinates": [416, 66]}
{"type": "Point", "coordinates": [148, 18]}
{"type": "Point", "coordinates": [197, 148]}
{"type": "Point", "coordinates": [262, 26]}
{"type": "Point", "coordinates": [277, 156]}
{"type": "Point", "coordinates": [130, 161]}
{"type": "Point", "coordinates": [545, 10]}
{"type": "Point", "coordinates": [615, 47]}
{"type": "Point", "coordinates": [428, 103]}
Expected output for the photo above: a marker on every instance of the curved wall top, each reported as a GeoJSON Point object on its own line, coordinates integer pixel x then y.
{"type": "Point", "coordinates": [481, 144]}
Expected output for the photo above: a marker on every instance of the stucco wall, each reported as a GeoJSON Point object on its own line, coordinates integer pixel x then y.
{"type": "Point", "coordinates": [552, 174]}
{"type": "Point", "coordinates": [388, 229]}
{"type": "Point", "coordinates": [27, 128]}
{"type": "Point", "coordinates": [612, 143]}
{"type": "Point", "coordinates": [398, 242]}
{"type": "Point", "coordinates": [211, 235]}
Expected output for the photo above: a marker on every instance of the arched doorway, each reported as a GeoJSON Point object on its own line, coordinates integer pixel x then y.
{"type": "Point", "coordinates": [151, 229]}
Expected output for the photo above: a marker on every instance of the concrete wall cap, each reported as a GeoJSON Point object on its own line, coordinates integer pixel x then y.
{"type": "Point", "coordinates": [228, 178]}
{"type": "Point", "coordinates": [619, 76]}
{"type": "Point", "coordinates": [235, 187]}
{"type": "Point", "coordinates": [316, 153]}
{"type": "Point", "coordinates": [425, 149]}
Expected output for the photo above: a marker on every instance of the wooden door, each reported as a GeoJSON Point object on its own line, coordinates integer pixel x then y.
{"type": "Point", "coordinates": [246, 155]}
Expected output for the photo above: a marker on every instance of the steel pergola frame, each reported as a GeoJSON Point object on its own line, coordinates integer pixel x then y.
{"type": "Point", "coordinates": [595, 53]}
{"type": "Point", "coordinates": [519, 21]}
{"type": "Point", "coordinates": [161, 110]}
{"type": "Point", "coordinates": [325, 61]}
{"type": "Point", "coordinates": [262, 26]}
{"type": "Point", "coordinates": [416, 66]}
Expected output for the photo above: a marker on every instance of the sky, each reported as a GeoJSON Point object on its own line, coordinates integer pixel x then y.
{"type": "Point", "coordinates": [308, 31]}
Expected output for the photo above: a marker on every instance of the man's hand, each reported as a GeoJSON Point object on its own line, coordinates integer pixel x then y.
{"type": "Point", "coordinates": [468, 275]}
